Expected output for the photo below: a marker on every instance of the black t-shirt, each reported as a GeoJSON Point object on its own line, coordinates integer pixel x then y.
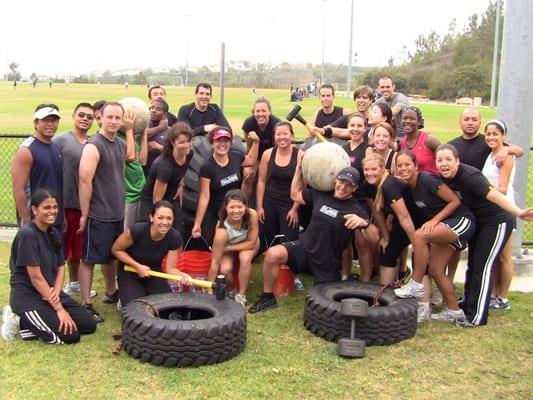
{"type": "Point", "coordinates": [326, 236]}
{"type": "Point", "coordinates": [158, 138]}
{"type": "Point", "coordinates": [32, 246]}
{"type": "Point", "coordinates": [222, 179]}
{"type": "Point", "coordinates": [342, 122]}
{"type": "Point", "coordinates": [394, 189]}
{"type": "Point", "coordinates": [150, 252]}
{"type": "Point", "coordinates": [171, 118]}
{"type": "Point", "coordinates": [168, 171]}
{"type": "Point", "coordinates": [472, 188]}
{"type": "Point", "coordinates": [472, 152]}
{"type": "Point", "coordinates": [197, 119]}
{"type": "Point", "coordinates": [429, 202]}
{"type": "Point", "coordinates": [266, 136]}
{"type": "Point", "coordinates": [356, 160]}
{"type": "Point", "coordinates": [323, 119]}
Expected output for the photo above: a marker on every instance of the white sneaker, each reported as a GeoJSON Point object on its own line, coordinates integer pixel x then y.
{"type": "Point", "coordinates": [412, 289]}
{"type": "Point", "coordinates": [298, 284]}
{"type": "Point", "coordinates": [436, 298]}
{"type": "Point", "coordinates": [449, 315]}
{"type": "Point", "coordinates": [74, 288]}
{"type": "Point", "coordinates": [423, 312]}
{"type": "Point", "coordinates": [11, 326]}
{"type": "Point", "coordinates": [241, 299]}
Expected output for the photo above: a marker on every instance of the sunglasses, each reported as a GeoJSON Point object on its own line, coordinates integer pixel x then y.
{"type": "Point", "coordinates": [82, 115]}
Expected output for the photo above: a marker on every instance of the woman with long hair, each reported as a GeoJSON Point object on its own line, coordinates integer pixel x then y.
{"type": "Point", "coordinates": [39, 308]}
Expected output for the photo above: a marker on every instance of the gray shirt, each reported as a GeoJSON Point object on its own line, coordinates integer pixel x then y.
{"type": "Point", "coordinates": [397, 99]}
{"type": "Point", "coordinates": [107, 201]}
{"type": "Point", "coordinates": [71, 149]}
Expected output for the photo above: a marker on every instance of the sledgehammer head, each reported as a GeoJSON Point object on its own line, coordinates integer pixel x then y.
{"type": "Point", "coordinates": [220, 287]}
{"type": "Point", "coordinates": [294, 112]}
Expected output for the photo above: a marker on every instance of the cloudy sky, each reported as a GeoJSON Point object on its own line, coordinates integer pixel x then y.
{"type": "Point", "coordinates": [58, 37]}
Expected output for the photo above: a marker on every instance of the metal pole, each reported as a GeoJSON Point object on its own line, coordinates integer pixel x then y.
{"type": "Point", "coordinates": [516, 101]}
{"type": "Point", "coordinates": [222, 73]}
{"type": "Point", "coordinates": [186, 17]}
{"type": "Point", "coordinates": [350, 55]}
{"type": "Point", "coordinates": [323, 42]}
{"type": "Point", "coordinates": [495, 56]}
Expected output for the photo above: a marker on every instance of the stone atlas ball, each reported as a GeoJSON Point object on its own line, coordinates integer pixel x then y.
{"type": "Point", "coordinates": [321, 163]}
{"type": "Point", "coordinates": [141, 111]}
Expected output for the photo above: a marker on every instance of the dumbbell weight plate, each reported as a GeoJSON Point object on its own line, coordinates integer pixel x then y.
{"type": "Point", "coordinates": [351, 348]}
{"type": "Point", "coordinates": [355, 308]}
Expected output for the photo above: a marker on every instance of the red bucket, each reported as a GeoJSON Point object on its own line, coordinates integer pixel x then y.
{"type": "Point", "coordinates": [196, 263]}
{"type": "Point", "coordinates": [284, 285]}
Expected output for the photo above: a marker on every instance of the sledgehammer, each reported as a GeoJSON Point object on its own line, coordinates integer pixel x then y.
{"type": "Point", "coordinates": [219, 285]}
{"type": "Point", "coordinates": [295, 114]}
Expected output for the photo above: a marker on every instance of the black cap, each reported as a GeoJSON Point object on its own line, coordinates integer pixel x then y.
{"type": "Point", "coordinates": [351, 175]}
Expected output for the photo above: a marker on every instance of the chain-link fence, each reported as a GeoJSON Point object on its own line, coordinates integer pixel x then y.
{"type": "Point", "coordinates": [8, 218]}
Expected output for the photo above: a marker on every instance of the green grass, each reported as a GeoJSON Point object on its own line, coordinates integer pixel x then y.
{"type": "Point", "coordinates": [282, 360]}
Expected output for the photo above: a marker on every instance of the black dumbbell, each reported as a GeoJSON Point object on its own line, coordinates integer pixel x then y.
{"type": "Point", "coordinates": [352, 347]}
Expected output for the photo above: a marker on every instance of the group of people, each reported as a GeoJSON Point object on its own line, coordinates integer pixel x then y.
{"type": "Point", "coordinates": [116, 197]}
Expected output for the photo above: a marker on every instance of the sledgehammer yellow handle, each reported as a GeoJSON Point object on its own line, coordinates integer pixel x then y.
{"type": "Point", "coordinates": [157, 274]}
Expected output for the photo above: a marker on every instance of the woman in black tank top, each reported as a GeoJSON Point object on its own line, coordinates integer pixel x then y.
{"type": "Point", "coordinates": [277, 213]}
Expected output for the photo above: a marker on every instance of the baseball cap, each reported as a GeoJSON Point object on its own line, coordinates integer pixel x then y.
{"type": "Point", "coordinates": [222, 133]}
{"type": "Point", "coordinates": [350, 175]}
{"type": "Point", "coordinates": [46, 111]}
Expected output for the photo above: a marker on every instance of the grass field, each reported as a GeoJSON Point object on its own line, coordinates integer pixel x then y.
{"type": "Point", "coordinates": [282, 360]}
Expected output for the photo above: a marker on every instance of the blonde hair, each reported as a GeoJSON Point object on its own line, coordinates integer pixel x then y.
{"type": "Point", "coordinates": [379, 200]}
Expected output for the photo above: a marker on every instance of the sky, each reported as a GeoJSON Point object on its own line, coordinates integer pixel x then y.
{"type": "Point", "coordinates": [60, 37]}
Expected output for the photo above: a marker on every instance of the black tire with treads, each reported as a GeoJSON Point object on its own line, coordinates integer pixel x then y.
{"type": "Point", "coordinates": [219, 336]}
{"type": "Point", "coordinates": [392, 322]}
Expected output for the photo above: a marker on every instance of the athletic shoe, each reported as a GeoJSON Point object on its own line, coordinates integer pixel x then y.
{"type": "Point", "coordinates": [74, 288]}
{"type": "Point", "coordinates": [449, 315]}
{"type": "Point", "coordinates": [412, 289]}
{"type": "Point", "coordinates": [266, 302]}
{"type": "Point", "coordinates": [436, 298]}
{"type": "Point", "coordinates": [111, 298]}
{"type": "Point", "coordinates": [501, 304]}
{"type": "Point", "coordinates": [11, 325]}
{"type": "Point", "coordinates": [241, 299]}
{"type": "Point", "coordinates": [403, 276]}
{"type": "Point", "coordinates": [119, 305]}
{"type": "Point", "coordinates": [464, 323]}
{"type": "Point", "coordinates": [90, 309]}
{"type": "Point", "coordinates": [423, 312]}
{"type": "Point", "coordinates": [298, 285]}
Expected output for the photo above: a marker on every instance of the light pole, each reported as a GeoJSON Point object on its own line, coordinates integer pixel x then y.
{"type": "Point", "coordinates": [495, 56]}
{"type": "Point", "coordinates": [186, 19]}
{"type": "Point", "coordinates": [350, 52]}
{"type": "Point", "coordinates": [323, 41]}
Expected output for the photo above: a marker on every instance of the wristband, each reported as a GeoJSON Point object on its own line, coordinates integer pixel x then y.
{"type": "Point", "coordinates": [328, 132]}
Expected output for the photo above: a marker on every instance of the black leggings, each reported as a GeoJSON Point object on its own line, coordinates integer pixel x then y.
{"type": "Point", "coordinates": [131, 286]}
{"type": "Point", "coordinates": [43, 323]}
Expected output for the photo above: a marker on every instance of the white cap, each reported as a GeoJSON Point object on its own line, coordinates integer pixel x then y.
{"type": "Point", "coordinates": [45, 112]}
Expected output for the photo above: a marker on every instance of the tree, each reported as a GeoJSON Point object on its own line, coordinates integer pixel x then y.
{"type": "Point", "coordinates": [14, 74]}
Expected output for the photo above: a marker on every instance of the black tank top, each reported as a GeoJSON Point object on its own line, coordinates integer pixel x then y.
{"type": "Point", "coordinates": [278, 184]}
{"type": "Point", "coordinates": [323, 119]}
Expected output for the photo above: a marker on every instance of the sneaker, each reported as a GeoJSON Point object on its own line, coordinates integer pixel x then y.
{"type": "Point", "coordinates": [449, 315]}
{"type": "Point", "coordinates": [501, 304]}
{"type": "Point", "coordinates": [241, 299]}
{"type": "Point", "coordinates": [90, 309]}
{"type": "Point", "coordinates": [266, 302]}
{"type": "Point", "coordinates": [403, 276]}
{"type": "Point", "coordinates": [74, 288]}
{"type": "Point", "coordinates": [412, 289]}
{"type": "Point", "coordinates": [11, 326]}
{"type": "Point", "coordinates": [493, 303]}
{"type": "Point", "coordinates": [423, 312]}
{"type": "Point", "coordinates": [464, 323]}
{"type": "Point", "coordinates": [110, 298]}
{"type": "Point", "coordinates": [119, 305]}
{"type": "Point", "coordinates": [298, 285]}
{"type": "Point", "coordinates": [436, 298]}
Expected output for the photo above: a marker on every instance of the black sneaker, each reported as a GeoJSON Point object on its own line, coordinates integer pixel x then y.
{"type": "Point", "coordinates": [464, 323]}
{"type": "Point", "coordinates": [403, 276]}
{"type": "Point", "coordinates": [111, 298]}
{"type": "Point", "coordinates": [90, 309]}
{"type": "Point", "coordinates": [266, 302]}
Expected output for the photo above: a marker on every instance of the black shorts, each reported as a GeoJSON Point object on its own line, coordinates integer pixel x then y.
{"type": "Point", "coordinates": [98, 238]}
{"type": "Point", "coordinates": [463, 227]}
{"type": "Point", "coordinates": [300, 262]}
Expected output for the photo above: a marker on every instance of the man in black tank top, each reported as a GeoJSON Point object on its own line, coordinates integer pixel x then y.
{"type": "Point", "coordinates": [329, 112]}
